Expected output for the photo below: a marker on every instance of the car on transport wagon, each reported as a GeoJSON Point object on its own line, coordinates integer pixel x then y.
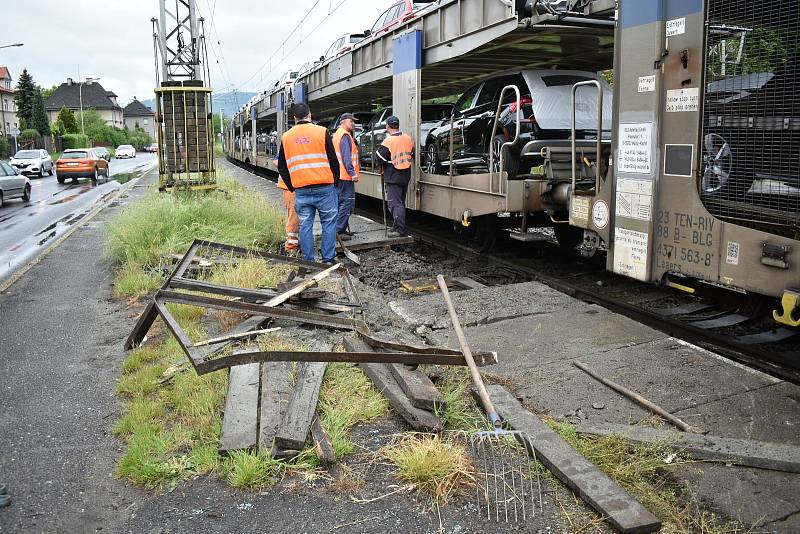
{"type": "Point", "coordinates": [81, 163]}
{"type": "Point", "coordinates": [397, 14]}
{"type": "Point", "coordinates": [35, 162]}
{"type": "Point", "coordinates": [545, 115]}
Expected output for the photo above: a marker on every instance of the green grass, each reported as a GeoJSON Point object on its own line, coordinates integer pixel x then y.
{"type": "Point", "coordinates": [642, 471]}
{"type": "Point", "coordinates": [347, 398]}
{"type": "Point", "coordinates": [459, 412]}
{"type": "Point", "coordinates": [435, 467]}
{"type": "Point", "coordinates": [161, 224]}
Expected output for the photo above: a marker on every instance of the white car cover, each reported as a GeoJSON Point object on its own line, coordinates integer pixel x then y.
{"type": "Point", "coordinates": [552, 100]}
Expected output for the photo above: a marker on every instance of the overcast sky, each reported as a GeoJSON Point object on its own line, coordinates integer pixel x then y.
{"type": "Point", "coordinates": [112, 39]}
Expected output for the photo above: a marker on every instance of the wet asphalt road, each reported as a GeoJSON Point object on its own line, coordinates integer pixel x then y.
{"type": "Point", "coordinates": [27, 228]}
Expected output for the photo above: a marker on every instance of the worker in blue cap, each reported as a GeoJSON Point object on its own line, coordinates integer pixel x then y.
{"type": "Point", "coordinates": [395, 155]}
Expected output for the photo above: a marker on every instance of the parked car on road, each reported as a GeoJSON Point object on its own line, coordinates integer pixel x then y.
{"type": "Point", "coordinates": [546, 110]}
{"type": "Point", "coordinates": [103, 152]}
{"type": "Point", "coordinates": [125, 151]}
{"type": "Point", "coordinates": [152, 148]}
{"type": "Point", "coordinates": [81, 163]}
{"type": "Point", "coordinates": [13, 184]}
{"type": "Point", "coordinates": [33, 162]}
{"type": "Point", "coordinates": [374, 130]}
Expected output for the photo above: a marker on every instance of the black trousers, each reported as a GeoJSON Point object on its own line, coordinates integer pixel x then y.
{"type": "Point", "coordinates": [396, 199]}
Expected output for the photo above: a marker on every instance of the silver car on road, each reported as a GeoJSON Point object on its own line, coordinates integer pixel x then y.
{"type": "Point", "coordinates": [13, 184]}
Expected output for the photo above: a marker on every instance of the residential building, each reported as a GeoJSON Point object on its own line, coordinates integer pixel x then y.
{"type": "Point", "coordinates": [8, 110]}
{"type": "Point", "coordinates": [137, 115]}
{"type": "Point", "coordinates": [88, 94]}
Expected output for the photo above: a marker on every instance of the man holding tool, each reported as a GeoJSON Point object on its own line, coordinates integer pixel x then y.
{"type": "Point", "coordinates": [396, 154]}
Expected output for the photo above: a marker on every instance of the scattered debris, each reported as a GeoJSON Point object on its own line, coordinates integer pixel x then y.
{"type": "Point", "coordinates": [513, 479]}
{"type": "Point", "coordinates": [658, 410]}
{"type": "Point", "coordinates": [747, 452]}
{"type": "Point", "coordinates": [323, 446]}
{"type": "Point", "coordinates": [233, 337]}
{"type": "Point", "coordinates": [607, 497]}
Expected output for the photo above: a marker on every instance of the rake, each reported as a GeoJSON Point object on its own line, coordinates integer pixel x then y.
{"type": "Point", "coordinates": [504, 480]}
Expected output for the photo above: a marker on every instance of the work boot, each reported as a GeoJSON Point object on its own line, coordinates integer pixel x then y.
{"type": "Point", "coordinates": [394, 233]}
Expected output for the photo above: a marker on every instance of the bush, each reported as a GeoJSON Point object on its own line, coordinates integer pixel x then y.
{"type": "Point", "coordinates": [30, 133]}
{"type": "Point", "coordinates": [3, 147]}
{"type": "Point", "coordinates": [75, 141]}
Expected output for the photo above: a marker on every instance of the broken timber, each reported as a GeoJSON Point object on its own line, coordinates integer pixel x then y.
{"type": "Point", "coordinates": [420, 420]}
{"type": "Point", "coordinates": [747, 452]}
{"type": "Point", "coordinates": [607, 497]}
{"type": "Point", "coordinates": [323, 447]}
{"type": "Point", "coordinates": [294, 428]}
{"type": "Point", "coordinates": [275, 393]}
{"type": "Point", "coordinates": [239, 426]}
{"type": "Point", "coordinates": [418, 387]}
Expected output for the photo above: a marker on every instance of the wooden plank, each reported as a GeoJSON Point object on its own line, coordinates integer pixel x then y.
{"type": "Point", "coordinates": [299, 288]}
{"type": "Point", "coordinates": [468, 283]}
{"type": "Point", "coordinates": [236, 336]}
{"type": "Point", "coordinates": [748, 452]}
{"type": "Point", "coordinates": [607, 497]}
{"type": "Point", "coordinates": [418, 387]}
{"type": "Point", "coordinates": [421, 420]}
{"type": "Point", "coordinates": [296, 422]}
{"type": "Point", "coordinates": [323, 447]}
{"type": "Point", "coordinates": [239, 424]}
{"type": "Point", "coordinates": [275, 394]}
{"type": "Point", "coordinates": [143, 324]}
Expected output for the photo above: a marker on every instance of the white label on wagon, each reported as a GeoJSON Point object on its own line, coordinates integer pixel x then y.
{"type": "Point", "coordinates": [579, 208]}
{"type": "Point", "coordinates": [676, 27]}
{"type": "Point", "coordinates": [647, 84]}
{"type": "Point", "coordinates": [600, 214]}
{"type": "Point", "coordinates": [679, 100]}
{"type": "Point", "coordinates": [732, 256]}
{"type": "Point", "coordinates": [630, 253]}
{"type": "Point", "coordinates": [634, 198]}
{"type": "Point", "coordinates": [635, 147]}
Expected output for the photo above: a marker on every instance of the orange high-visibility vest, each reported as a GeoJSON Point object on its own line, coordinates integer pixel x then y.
{"type": "Point", "coordinates": [402, 149]}
{"type": "Point", "coordinates": [306, 157]}
{"type": "Point", "coordinates": [337, 144]}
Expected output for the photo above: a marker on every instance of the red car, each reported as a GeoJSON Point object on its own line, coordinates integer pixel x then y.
{"type": "Point", "coordinates": [152, 148]}
{"type": "Point", "coordinates": [400, 12]}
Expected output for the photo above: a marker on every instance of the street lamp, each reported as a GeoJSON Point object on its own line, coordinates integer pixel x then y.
{"type": "Point", "coordinates": [9, 46]}
{"type": "Point", "coordinates": [80, 97]}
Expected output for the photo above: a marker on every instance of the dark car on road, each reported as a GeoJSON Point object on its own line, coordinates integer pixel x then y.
{"type": "Point", "coordinates": [13, 184]}
{"type": "Point", "coordinates": [545, 114]}
{"type": "Point", "coordinates": [103, 152]}
{"type": "Point", "coordinates": [81, 163]}
{"type": "Point", "coordinates": [374, 131]}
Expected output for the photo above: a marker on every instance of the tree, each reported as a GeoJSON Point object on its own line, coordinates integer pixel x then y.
{"type": "Point", "coordinates": [66, 118]}
{"type": "Point", "coordinates": [93, 124]}
{"type": "Point", "coordinates": [40, 121]}
{"type": "Point", "coordinates": [25, 98]}
{"type": "Point", "coordinates": [30, 104]}
{"type": "Point", "coordinates": [47, 93]}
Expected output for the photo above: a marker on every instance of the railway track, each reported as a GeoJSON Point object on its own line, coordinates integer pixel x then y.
{"type": "Point", "coordinates": [736, 326]}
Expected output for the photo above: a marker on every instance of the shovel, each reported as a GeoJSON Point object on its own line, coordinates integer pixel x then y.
{"type": "Point", "coordinates": [504, 479]}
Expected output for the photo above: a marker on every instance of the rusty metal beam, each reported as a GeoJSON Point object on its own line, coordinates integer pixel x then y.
{"type": "Point", "coordinates": [261, 311]}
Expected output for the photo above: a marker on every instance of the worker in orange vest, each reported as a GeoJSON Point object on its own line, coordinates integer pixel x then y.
{"type": "Point", "coordinates": [292, 244]}
{"type": "Point", "coordinates": [308, 166]}
{"type": "Point", "coordinates": [395, 155]}
{"type": "Point", "coordinates": [349, 172]}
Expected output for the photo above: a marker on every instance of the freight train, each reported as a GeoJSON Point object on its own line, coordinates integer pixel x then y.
{"type": "Point", "coordinates": [664, 133]}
